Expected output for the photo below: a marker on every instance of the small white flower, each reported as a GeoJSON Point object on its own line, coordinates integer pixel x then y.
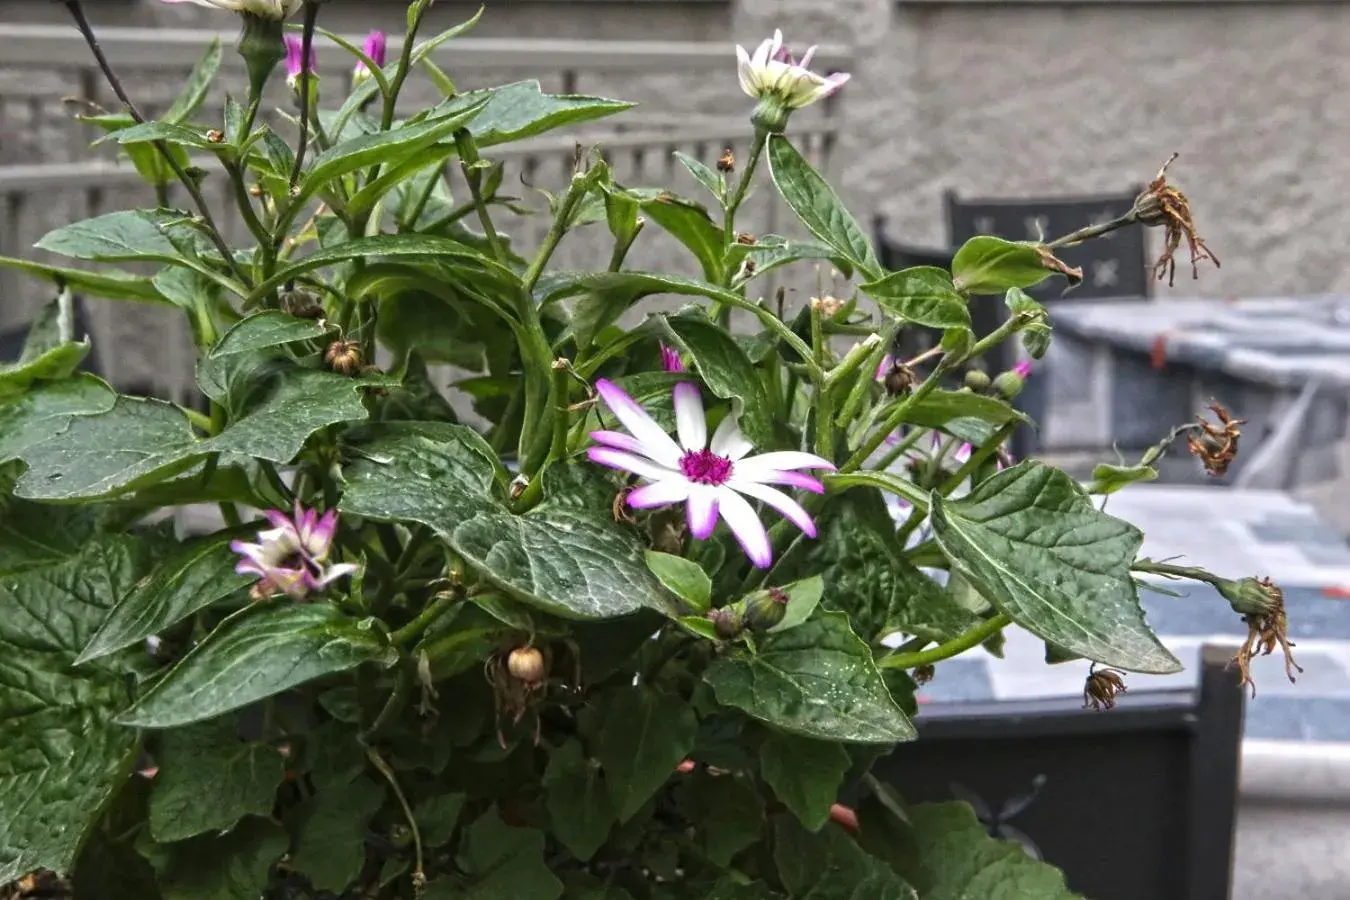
{"type": "Point", "coordinates": [267, 9]}
{"type": "Point", "coordinates": [772, 72]}
{"type": "Point", "coordinates": [709, 477]}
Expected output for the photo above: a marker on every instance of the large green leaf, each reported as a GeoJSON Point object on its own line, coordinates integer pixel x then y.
{"type": "Point", "coordinates": [817, 680]}
{"type": "Point", "coordinates": [953, 858]}
{"type": "Point", "coordinates": [805, 774]}
{"type": "Point", "coordinates": [209, 760]}
{"type": "Point", "coordinates": [62, 759]}
{"type": "Point", "coordinates": [502, 861]}
{"type": "Point", "coordinates": [690, 224]}
{"type": "Point", "coordinates": [682, 577]}
{"type": "Point", "coordinates": [106, 282]}
{"type": "Point", "coordinates": [128, 235]}
{"type": "Point", "coordinates": [567, 559]}
{"type": "Point", "coordinates": [646, 735]}
{"type": "Point", "coordinates": [923, 295]}
{"type": "Point", "coordinates": [991, 265]}
{"type": "Point", "coordinates": [522, 110]}
{"type": "Point", "coordinates": [867, 576]}
{"type": "Point", "coordinates": [255, 654]}
{"type": "Point", "coordinates": [773, 251]}
{"type": "Point", "coordinates": [728, 809]}
{"type": "Point", "coordinates": [330, 833]}
{"type": "Point", "coordinates": [965, 414]}
{"type": "Point", "coordinates": [231, 866]}
{"type": "Point", "coordinates": [198, 575]}
{"type": "Point", "coordinates": [1033, 544]}
{"type": "Point", "coordinates": [831, 866]}
{"type": "Point", "coordinates": [579, 807]}
{"type": "Point", "coordinates": [49, 353]}
{"type": "Point", "coordinates": [820, 210]}
{"type": "Point", "coordinates": [265, 330]}
{"type": "Point", "coordinates": [47, 410]}
{"type": "Point", "coordinates": [727, 371]}
{"type": "Point", "coordinates": [137, 442]}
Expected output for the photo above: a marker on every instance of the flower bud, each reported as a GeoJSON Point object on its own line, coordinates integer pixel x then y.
{"type": "Point", "coordinates": [770, 115]}
{"type": "Point", "coordinates": [1009, 384]}
{"type": "Point", "coordinates": [527, 665]}
{"type": "Point", "coordinates": [262, 45]}
{"type": "Point", "coordinates": [899, 380]}
{"type": "Point", "coordinates": [1251, 596]}
{"type": "Point", "coordinates": [977, 380]}
{"type": "Point", "coordinates": [766, 609]}
{"type": "Point", "coordinates": [727, 623]}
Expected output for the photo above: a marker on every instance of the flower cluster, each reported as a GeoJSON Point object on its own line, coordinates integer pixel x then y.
{"type": "Point", "coordinates": [291, 557]}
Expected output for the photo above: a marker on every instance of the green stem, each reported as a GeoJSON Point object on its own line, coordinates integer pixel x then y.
{"type": "Point", "coordinates": [419, 875]}
{"type": "Point", "coordinates": [561, 221]}
{"type": "Point", "coordinates": [901, 446]}
{"type": "Point", "coordinates": [742, 186]}
{"type": "Point", "coordinates": [978, 458]}
{"type": "Point", "coordinates": [897, 415]}
{"type": "Point", "coordinates": [473, 177]}
{"type": "Point", "coordinates": [433, 611]}
{"type": "Point", "coordinates": [1194, 573]}
{"type": "Point", "coordinates": [621, 248]}
{"type": "Point", "coordinates": [401, 75]}
{"type": "Point", "coordinates": [410, 222]}
{"type": "Point", "coordinates": [956, 646]}
{"type": "Point", "coordinates": [230, 513]}
{"type": "Point", "coordinates": [824, 424]}
{"type": "Point", "coordinates": [560, 423]}
{"type": "Point", "coordinates": [868, 355]}
{"type": "Point", "coordinates": [1092, 231]}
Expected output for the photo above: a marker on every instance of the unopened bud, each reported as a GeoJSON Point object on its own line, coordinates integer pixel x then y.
{"type": "Point", "coordinates": [977, 380]}
{"type": "Point", "coordinates": [770, 115]}
{"type": "Point", "coordinates": [527, 664]}
{"type": "Point", "coordinates": [343, 357]}
{"type": "Point", "coordinates": [1009, 384]}
{"type": "Point", "coordinates": [1251, 596]}
{"type": "Point", "coordinates": [766, 609]}
{"type": "Point", "coordinates": [727, 623]}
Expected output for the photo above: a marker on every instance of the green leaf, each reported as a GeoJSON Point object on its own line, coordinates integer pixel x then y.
{"type": "Point", "coordinates": [690, 224]}
{"type": "Point", "coordinates": [437, 818]}
{"type": "Point", "coordinates": [385, 147]}
{"type": "Point", "coordinates": [1107, 479]}
{"type": "Point", "coordinates": [137, 442]}
{"type": "Point", "coordinates": [49, 353]}
{"type": "Point", "coordinates": [569, 560]}
{"type": "Point", "coordinates": [110, 283]}
{"type": "Point", "coordinates": [709, 178]}
{"type": "Point", "coordinates": [522, 110]}
{"type": "Point", "coordinates": [819, 209]}
{"type": "Point", "coordinates": [209, 760]}
{"type": "Point", "coordinates": [47, 410]}
{"type": "Point", "coordinates": [831, 866]}
{"type": "Point", "coordinates": [128, 235]}
{"type": "Point", "coordinates": [816, 680]}
{"type": "Point", "coordinates": [923, 295]}
{"type": "Point", "coordinates": [1033, 544]}
{"type": "Point", "coordinates": [646, 735]}
{"type": "Point", "coordinates": [579, 807]}
{"type": "Point", "coordinates": [727, 371]}
{"type": "Point", "coordinates": [199, 574]}
{"type": "Point", "coordinates": [954, 857]}
{"type": "Point", "coordinates": [231, 866]}
{"type": "Point", "coordinates": [803, 598]}
{"type": "Point", "coordinates": [773, 251]}
{"type": "Point", "coordinates": [867, 576]}
{"type": "Point", "coordinates": [197, 87]}
{"type": "Point", "coordinates": [728, 809]}
{"type": "Point", "coordinates": [265, 330]}
{"type": "Point", "coordinates": [62, 759]}
{"type": "Point", "coordinates": [503, 862]}
{"type": "Point", "coordinates": [682, 577]}
{"type": "Point", "coordinates": [967, 415]}
{"type": "Point", "coordinates": [991, 265]}
{"type": "Point", "coordinates": [805, 775]}
{"type": "Point", "coordinates": [166, 132]}
{"type": "Point", "coordinates": [330, 833]}
{"type": "Point", "coordinates": [253, 655]}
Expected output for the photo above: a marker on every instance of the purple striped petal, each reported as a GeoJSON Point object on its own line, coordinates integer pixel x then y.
{"type": "Point", "coordinates": [701, 510]}
{"type": "Point", "coordinates": [656, 443]}
{"type": "Point", "coordinates": [789, 508]}
{"type": "Point", "coordinates": [744, 523]}
{"type": "Point", "coordinates": [690, 422]}
{"type": "Point", "coordinates": [659, 493]}
{"type": "Point", "coordinates": [617, 459]}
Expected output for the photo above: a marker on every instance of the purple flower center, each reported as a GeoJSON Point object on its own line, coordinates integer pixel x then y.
{"type": "Point", "coordinates": [705, 467]}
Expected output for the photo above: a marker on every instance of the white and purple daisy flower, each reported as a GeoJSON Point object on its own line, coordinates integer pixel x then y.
{"type": "Point", "coordinates": [712, 478]}
{"type": "Point", "coordinates": [771, 71]}
{"type": "Point", "coordinates": [291, 557]}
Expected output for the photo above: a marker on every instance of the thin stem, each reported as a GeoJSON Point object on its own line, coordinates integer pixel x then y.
{"type": "Point", "coordinates": [905, 443]}
{"type": "Point", "coordinates": [190, 184]}
{"type": "Point", "coordinates": [1167, 570]}
{"type": "Point", "coordinates": [410, 222]}
{"type": "Point", "coordinates": [824, 424]}
{"type": "Point", "coordinates": [897, 415]}
{"type": "Point", "coordinates": [742, 186]}
{"type": "Point", "coordinates": [560, 423]}
{"type": "Point", "coordinates": [230, 513]}
{"type": "Point", "coordinates": [383, 767]}
{"type": "Point", "coordinates": [395, 86]}
{"type": "Point", "coordinates": [956, 646]}
{"type": "Point", "coordinates": [306, 43]}
{"type": "Point", "coordinates": [555, 233]}
{"type": "Point", "coordinates": [245, 204]}
{"type": "Point", "coordinates": [473, 177]}
{"type": "Point", "coordinates": [621, 248]}
{"type": "Point", "coordinates": [1092, 231]}
{"type": "Point", "coordinates": [978, 458]}
{"type": "Point", "coordinates": [433, 611]}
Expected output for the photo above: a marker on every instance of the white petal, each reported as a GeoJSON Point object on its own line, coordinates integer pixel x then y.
{"type": "Point", "coordinates": [333, 573]}
{"type": "Point", "coordinates": [759, 468]}
{"type": "Point", "coordinates": [744, 522]}
{"type": "Point", "coordinates": [618, 440]}
{"type": "Point", "coordinates": [806, 57]}
{"type": "Point", "coordinates": [659, 493]}
{"type": "Point", "coordinates": [617, 459]}
{"type": "Point", "coordinates": [763, 53]}
{"type": "Point", "coordinates": [702, 510]}
{"type": "Point", "coordinates": [745, 72]}
{"type": "Point", "coordinates": [656, 443]}
{"type": "Point", "coordinates": [791, 509]}
{"type": "Point", "coordinates": [728, 441]}
{"type": "Point", "coordinates": [690, 423]}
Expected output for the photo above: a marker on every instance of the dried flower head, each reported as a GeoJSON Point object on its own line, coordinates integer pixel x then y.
{"type": "Point", "coordinates": [1163, 204]}
{"type": "Point", "coordinates": [1262, 603]}
{"type": "Point", "coordinates": [923, 674]}
{"type": "Point", "coordinates": [746, 239]}
{"type": "Point", "coordinates": [1101, 688]}
{"type": "Point", "coordinates": [1215, 445]}
{"type": "Point", "coordinates": [518, 677]}
{"type": "Point", "coordinates": [828, 305]}
{"type": "Point", "coordinates": [343, 357]}
{"type": "Point", "coordinates": [726, 163]}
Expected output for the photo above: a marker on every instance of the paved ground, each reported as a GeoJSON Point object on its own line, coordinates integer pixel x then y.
{"type": "Point", "coordinates": [1231, 532]}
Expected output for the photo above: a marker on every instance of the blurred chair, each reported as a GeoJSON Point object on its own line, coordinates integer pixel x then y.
{"type": "Point", "coordinates": [1136, 802]}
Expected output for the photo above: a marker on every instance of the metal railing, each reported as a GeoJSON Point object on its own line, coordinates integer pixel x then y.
{"type": "Point", "coordinates": [50, 176]}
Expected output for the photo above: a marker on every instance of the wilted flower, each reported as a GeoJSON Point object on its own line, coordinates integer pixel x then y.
{"type": "Point", "coordinates": [726, 163]}
{"type": "Point", "coordinates": [291, 557]}
{"type": "Point", "coordinates": [1101, 688]}
{"type": "Point", "coordinates": [267, 9]}
{"type": "Point", "coordinates": [343, 357]}
{"type": "Point", "coordinates": [670, 359]}
{"type": "Point", "coordinates": [295, 60]}
{"type": "Point", "coordinates": [1162, 204]}
{"type": "Point", "coordinates": [709, 477]}
{"type": "Point", "coordinates": [375, 48]}
{"type": "Point", "coordinates": [1261, 604]}
{"type": "Point", "coordinates": [780, 83]}
{"type": "Point", "coordinates": [1217, 445]}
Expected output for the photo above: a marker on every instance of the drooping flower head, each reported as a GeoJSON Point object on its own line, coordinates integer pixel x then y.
{"type": "Point", "coordinates": [291, 557]}
{"type": "Point", "coordinates": [711, 477]}
{"type": "Point", "coordinates": [374, 47]}
{"type": "Point", "coordinates": [670, 359]}
{"type": "Point", "coordinates": [267, 9]}
{"type": "Point", "coordinates": [295, 61]}
{"type": "Point", "coordinates": [780, 83]}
